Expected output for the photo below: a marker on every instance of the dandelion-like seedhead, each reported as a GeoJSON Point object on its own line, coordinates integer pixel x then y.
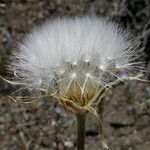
{"type": "Point", "coordinates": [73, 57]}
{"type": "Point", "coordinates": [75, 61]}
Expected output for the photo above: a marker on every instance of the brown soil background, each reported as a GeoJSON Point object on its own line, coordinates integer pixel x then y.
{"type": "Point", "coordinates": [44, 125]}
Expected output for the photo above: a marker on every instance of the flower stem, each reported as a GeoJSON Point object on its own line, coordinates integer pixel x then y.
{"type": "Point", "coordinates": [80, 131]}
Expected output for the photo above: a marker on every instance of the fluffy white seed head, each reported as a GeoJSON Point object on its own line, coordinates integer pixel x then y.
{"type": "Point", "coordinates": [75, 54]}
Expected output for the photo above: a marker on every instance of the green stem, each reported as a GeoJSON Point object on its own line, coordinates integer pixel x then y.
{"type": "Point", "coordinates": [80, 131]}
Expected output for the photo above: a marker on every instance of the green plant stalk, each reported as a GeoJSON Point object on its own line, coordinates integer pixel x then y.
{"type": "Point", "coordinates": [80, 131]}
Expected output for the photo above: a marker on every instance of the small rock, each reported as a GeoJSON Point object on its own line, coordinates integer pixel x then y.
{"type": "Point", "coordinates": [61, 111]}
{"type": "Point", "coordinates": [36, 105]}
{"type": "Point", "coordinates": [12, 130]}
{"type": "Point", "coordinates": [68, 144]}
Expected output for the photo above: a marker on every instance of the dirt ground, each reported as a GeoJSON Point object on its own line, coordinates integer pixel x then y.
{"type": "Point", "coordinates": [44, 125]}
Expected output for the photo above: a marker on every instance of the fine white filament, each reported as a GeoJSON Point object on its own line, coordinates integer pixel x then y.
{"type": "Point", "coordinates": [75, 54]}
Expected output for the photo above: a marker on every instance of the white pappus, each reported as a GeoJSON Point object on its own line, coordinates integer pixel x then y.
{"type": "Point", "coordinates": [75, 55]}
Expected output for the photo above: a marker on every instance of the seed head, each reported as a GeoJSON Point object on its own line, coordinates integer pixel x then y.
{"type": "Point", "coordinates": [73, 57]}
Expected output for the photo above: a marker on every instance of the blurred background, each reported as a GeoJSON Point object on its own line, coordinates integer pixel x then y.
{"type": "Point", "coordinates": [44, 125]}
